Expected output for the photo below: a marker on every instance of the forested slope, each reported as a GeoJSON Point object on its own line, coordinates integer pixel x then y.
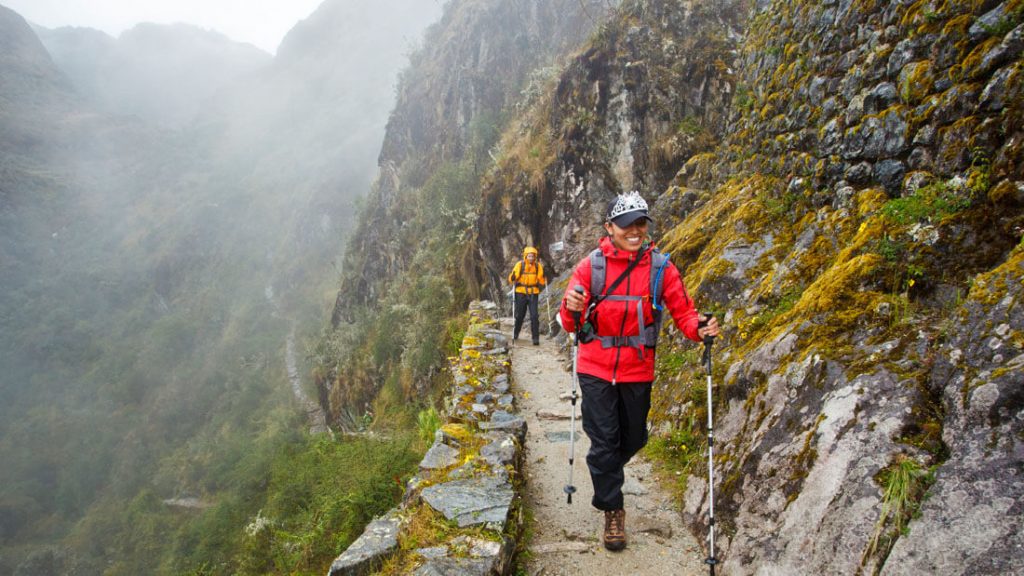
{"type": "Point", "coordinates": [151, 271]}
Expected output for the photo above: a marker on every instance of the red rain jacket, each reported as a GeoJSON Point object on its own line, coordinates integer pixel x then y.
{"type": "Point", "coordinates": [626, 364]}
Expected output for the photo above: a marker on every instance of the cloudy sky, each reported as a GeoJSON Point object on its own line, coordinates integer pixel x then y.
{"type": "Point", "coordinates": [260, 22]}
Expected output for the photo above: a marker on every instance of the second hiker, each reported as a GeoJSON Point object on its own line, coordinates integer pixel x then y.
{"type": "Point", "coordinates": [626, 283]}
{"type": "Point", "coordinates": [528, 278]}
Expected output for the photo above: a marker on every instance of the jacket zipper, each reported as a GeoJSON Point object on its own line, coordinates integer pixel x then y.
{"type": "Point", "coordinates": [622, 330]}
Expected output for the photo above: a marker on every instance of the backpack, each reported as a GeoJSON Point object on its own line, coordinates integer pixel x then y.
{"type": "Point", "coordinates": [521, 267]}
{"type": "Point", "coordinates": [649, 333]}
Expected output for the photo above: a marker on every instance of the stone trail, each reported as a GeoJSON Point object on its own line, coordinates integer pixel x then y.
{"type": "Point", "coordinates": [474, 489]}
{"type": "Point", "coordinates": [566, 538]}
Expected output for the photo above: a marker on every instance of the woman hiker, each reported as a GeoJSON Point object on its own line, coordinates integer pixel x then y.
{"type": "Point", "coordinates": [528, 278]}
{"type": "Point", "coordinates": [624, 279]}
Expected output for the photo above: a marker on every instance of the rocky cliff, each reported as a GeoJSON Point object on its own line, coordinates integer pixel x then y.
{"type": "Point", "coordinates": [841, 182]}
{"type": "Point", "coordinates": [406, 261]}
{"type": "Point", "coordinates": [868, 258]}
{"type": "Point", "coordinates": [459, 90]}
{"type": "Point", "coordinates": [650, 90]}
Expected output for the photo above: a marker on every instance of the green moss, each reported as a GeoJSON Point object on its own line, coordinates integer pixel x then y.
{"type": "Point", "coordinates": [838, 293]}
{"type": "Point", "coordinates": [775, 308]}
{"type": "Point", "coordinates": [705, 231]}
{"type": "Point", "coordinates": [931, 203]}
{"type": "Point", "coordinates": [1013, 18]}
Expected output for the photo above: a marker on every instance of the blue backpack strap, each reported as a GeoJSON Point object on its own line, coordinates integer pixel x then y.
{"type": "Point", "coordinates": [659, 260]}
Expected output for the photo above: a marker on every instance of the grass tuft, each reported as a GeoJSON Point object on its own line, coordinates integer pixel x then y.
{"type": "Point", "coordinates": [905, 483]}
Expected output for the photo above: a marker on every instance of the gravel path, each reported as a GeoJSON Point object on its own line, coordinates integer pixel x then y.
{"type": "Point", "coordinates": [566, 538]}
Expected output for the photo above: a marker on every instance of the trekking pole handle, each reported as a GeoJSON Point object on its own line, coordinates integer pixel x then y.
{"type": "Point", "coordinates": [576, 316]}
{"type": "Point", "coordinates": [702, 320]}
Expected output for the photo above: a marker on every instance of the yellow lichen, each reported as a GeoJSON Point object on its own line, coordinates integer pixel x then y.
{"type": "Point", "coordinates": [915, 81]}
{"type": "Point", "coordinates": [990, 287]}
{"type": "Point", "coordinates": [461, 432]}
{"type": "Point", "coordinates": [870, 201]}
{"type": "Point", "coordinates": [1003, 192]}
{"type": "Point", "coordinates": [836, 291]}
{"type": "Point", "coordinates": [969, 67]}
{"type": "Point", "coordinates": [958, 25]}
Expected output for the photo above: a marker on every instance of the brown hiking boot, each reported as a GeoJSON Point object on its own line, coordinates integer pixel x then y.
{"type": "Point", "coordinates": [615, 530]}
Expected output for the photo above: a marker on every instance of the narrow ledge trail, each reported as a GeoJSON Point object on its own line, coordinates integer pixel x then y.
{"type": "Point", "coordinates": [565, 539]}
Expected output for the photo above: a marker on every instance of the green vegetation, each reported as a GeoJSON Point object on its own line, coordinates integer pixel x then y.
{"type": "Point", "coordinates": [929, 203]}
{"type": "Point", "coordinates": [743, 99]}
{"type": "Point", "coordinates": [1005, 24]}
{"type": "Point", "coordinates": [404, 336]}
{"type": "Point", "coordinates": [149, 280]}
{"type": "Point", "coordinates": [318, 502]}
{"type": "Point", "coordinates": [905, 485]}
{"type": "Point", "coordinates": [679, 454]}
{"type": "Point", "coordinates": [775, 307]}
{"type": "Point", "coordinates": [429, 421]}
{"type": "Point", "coordinates": [689, 126]}
{"type": "Point", "coordinates": [295, 521]}
{"type": "Point", "coordinates": [779, 206]}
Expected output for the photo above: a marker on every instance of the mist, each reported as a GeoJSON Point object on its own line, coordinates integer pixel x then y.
{"type": "Point", "coordinates": [173, 205]}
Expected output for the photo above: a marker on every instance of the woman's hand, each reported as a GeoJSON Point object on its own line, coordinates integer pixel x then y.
{"type": "Point", "coordinates": [574, 301]}
{"type": "Point", "coordinates": [709, 329]}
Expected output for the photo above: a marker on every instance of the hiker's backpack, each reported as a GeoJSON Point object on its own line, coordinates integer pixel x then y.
{"type": "Point", "coordinates": [649, 333]}
{"type": "Point", "coordinates": [536, 274]}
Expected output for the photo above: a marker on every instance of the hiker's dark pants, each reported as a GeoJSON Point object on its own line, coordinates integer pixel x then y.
{"type": "Point", "coordinates": [522, 302]}
{"type": "Point", "coordinates": [615, 420]}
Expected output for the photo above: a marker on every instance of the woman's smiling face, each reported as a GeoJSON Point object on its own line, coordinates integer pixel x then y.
{"type": "Point", "coordinates": [630, 238]}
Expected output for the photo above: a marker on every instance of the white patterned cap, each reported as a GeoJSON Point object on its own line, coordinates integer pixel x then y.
{"type": "Point", "coordinates": [626, 209]}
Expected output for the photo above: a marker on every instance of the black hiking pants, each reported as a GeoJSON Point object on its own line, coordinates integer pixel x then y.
{"type": "Point", "coordinates": [524, 301]}
{"type": "Point", "coordinates": [615, 420]}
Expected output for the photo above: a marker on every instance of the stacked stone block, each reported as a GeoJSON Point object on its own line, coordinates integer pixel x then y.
{"type": "Point", "coordinates": [469, 475]}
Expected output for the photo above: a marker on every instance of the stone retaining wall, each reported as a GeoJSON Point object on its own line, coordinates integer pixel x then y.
{"type": "Point", "coordinates": [461, 513]}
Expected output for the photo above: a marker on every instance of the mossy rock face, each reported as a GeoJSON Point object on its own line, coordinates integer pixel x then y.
{"type": "Point", "coordinates": [921, 96]}
{"type": "Point", "coordinates": [954, 150]}
{"type": "Point", "coordinates": [1007, 193]}
{"type": "Point", "coordinates": [915, 81]}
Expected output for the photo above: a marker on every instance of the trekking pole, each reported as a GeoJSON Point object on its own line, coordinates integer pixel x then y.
{"type": "Point", "coordinates": [569, 488]}
{"type": "Point", "coordinates": [548, 290]}
{"type": "Point", "coordinates": [711, 561]}
{"type": "Point", "coordinates": [512, 307]}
